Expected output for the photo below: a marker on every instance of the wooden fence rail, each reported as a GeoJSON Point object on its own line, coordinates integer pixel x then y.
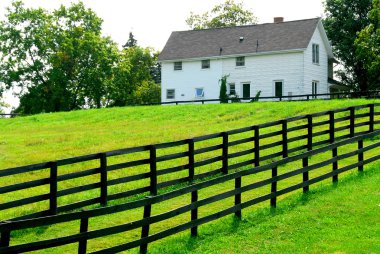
{"type": "Point", "coordinates": [227, 153]}
{"type": "Point", "coordinates": [358, 158]}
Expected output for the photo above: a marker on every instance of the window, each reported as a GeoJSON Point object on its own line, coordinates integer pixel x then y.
{"type": "Point", "coordinates": [199, 93]}
{"type": "Point", "coordinates": [278, 86]}
{"type": "Point", "coordinates": [315, 53]}
{"type": "Point", "coordinates": [205, 64]}
{"type": "Point", "coordinates": [170, 94]}
{"type": "Point", "coordinates": [240, 61]}
{"type": "Point", "coordinates": [177, 66]}
{"type": "Point", "coordinates": [314, 89]}
{"type": "Point", "coordinates": [232, 89]}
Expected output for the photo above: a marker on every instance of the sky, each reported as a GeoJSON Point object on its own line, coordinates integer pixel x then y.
{"type": "Point", "coordinates": [152, 21]}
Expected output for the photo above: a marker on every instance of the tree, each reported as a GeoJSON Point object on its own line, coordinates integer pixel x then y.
{"type": "Point", "coordinates": [223, 97]}
{"type": "Point", "coordinates": [134, 70]}
{"type": "Point", "coordinates": [147, 92]}
{"type": "Point", "coordinates": [224, 15]}
{"type": "Point", "coordinates": [368, 45]}
{"type": "Point", "coordinates": [155, 69]}
{"type": "Point", "coordinates": [344, 19]}
{"type": "Point", "coordinates": [131, 41]}
{"type": "Point", "coordinates": [59, 59]}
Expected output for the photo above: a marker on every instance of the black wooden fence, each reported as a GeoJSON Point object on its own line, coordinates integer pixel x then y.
{"type": "Point", "coordinates": [357, 155]}
{"type": "Point", "coordinates": [220, 153]}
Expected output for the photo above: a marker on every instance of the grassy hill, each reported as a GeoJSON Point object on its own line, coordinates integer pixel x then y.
{"type": "Point", "coordinates": [341, 218]}
{"type": "Point", "coordinates": [45, 137]}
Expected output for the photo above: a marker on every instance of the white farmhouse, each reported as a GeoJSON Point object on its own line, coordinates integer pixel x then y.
{"type": "Point", "coordinates": [278, 59]}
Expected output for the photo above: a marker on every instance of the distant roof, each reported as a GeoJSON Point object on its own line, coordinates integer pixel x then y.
{"type": "Point", "coordinates": [227, 41]}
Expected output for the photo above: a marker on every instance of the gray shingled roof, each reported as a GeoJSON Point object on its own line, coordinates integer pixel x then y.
{"type": "Point", "coordinates": [270, 37]}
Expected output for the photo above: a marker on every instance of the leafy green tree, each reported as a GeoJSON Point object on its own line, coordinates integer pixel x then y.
{"type": "Point", "coordinates": [131, 41]}
{"type": "Point", "coordinates": [147, 92]}
{"type": "Point", "coordinates": [344, 19]}
{"type": "Point", "coordinates": [223, 97]}
{"type": "Point", "coordinates": [134, 69]}
{"type": "Point", "coordinates": [155, 70]}
{"type": "Point", "coordinates": [59, 59]}
{"type": "Point", "coordinates": [368, 45]}
{"type": "Point", "coordinates": [227, 14]}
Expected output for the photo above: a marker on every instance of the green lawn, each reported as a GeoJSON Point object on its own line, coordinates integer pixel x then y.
{"type": "Point", "coordinates": [45, 137]}
{"type": "Point", "coordinates": [342, 218]}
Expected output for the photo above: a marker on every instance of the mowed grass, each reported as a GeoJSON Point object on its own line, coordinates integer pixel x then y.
{"type": "Point", "coordinates": [48, 137]}
{"type": "Point", "coordinates": [341, 218]}
{"type": "Point", "coordinates": [45, 137]}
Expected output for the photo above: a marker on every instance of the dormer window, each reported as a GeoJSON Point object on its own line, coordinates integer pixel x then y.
{"type": "Point", "coordinates": [177, 66]}
{"type": "Point", "coordinates": [205, 64]}
{"type": "Point", "coordinates": [240, 61]}
{"type": "Point", "coordinates": [315, 53]}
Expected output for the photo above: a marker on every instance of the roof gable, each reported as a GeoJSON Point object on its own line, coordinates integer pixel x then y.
{"type": "Point", "coordinates": [226, 41]}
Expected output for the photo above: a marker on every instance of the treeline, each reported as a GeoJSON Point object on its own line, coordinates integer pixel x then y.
{"type": "Point", "coordinates": [59, 61]}
{"type": "Point", "coordinates": [353, 28]}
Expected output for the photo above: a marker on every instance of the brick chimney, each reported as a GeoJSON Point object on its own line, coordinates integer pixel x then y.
{"type": "Point", "coordinates": [278, 19]}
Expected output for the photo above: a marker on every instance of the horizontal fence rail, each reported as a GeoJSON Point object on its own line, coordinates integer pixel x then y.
{"type": "Point", "coordinates": [150, 169]}
{"type": "Point", "coordinates": [312, 171]}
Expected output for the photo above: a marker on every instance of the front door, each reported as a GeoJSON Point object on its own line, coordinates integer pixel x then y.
{"type": "Point", "coordinates": [246, 90]}
{"type": "Point", "coordinates": [278, 88]}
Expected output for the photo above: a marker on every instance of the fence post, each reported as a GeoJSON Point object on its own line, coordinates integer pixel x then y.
{"type": "Point", "coordinates": [352, 122]}
{"type": "Point", "coordinates": [257, 145]}
{"type": "Point", "coordinates": [331, 127]}
{"type": "Point", "coordinates": [273, 187]}
{"type": "Point", "coordinates": [153, 170]}
{"type": "Point", "coordinates": [335, 164]}
{"type": "Point", "coordinates": [332, 139]}
{"type": "Point", "coordinates": [284, 138]}
{"type": "Point", "coordinates": [145, 228]}
{"type": "Point", "coordinates": [360, 155]}
{"type": "Point", "coordinates": [309, 132]}
{"type": "Point", "coordinates": [305, 175]}
{"type": "Point", "coordinates": [82, 247]}
{"type": "Point", "coordinates": [5, 236]}
{"type": "Point", "coordinates": [103, 179]}
{"type": "Point", "coordinates": [371, 117]}
{"type": "Point", "coordinates": [53, 188]}
{"type": "Point", "coordinates": [191, 160]}
{"type": "Point", "coordinates": [194, 213]}
{"type": "Point", "coordinates": [238, 196]}
{"type": "Point", "coordinates": [225, 153]}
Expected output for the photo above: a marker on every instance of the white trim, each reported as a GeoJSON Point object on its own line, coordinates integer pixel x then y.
{"type": "Point", "coordinates": [325, 39]}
